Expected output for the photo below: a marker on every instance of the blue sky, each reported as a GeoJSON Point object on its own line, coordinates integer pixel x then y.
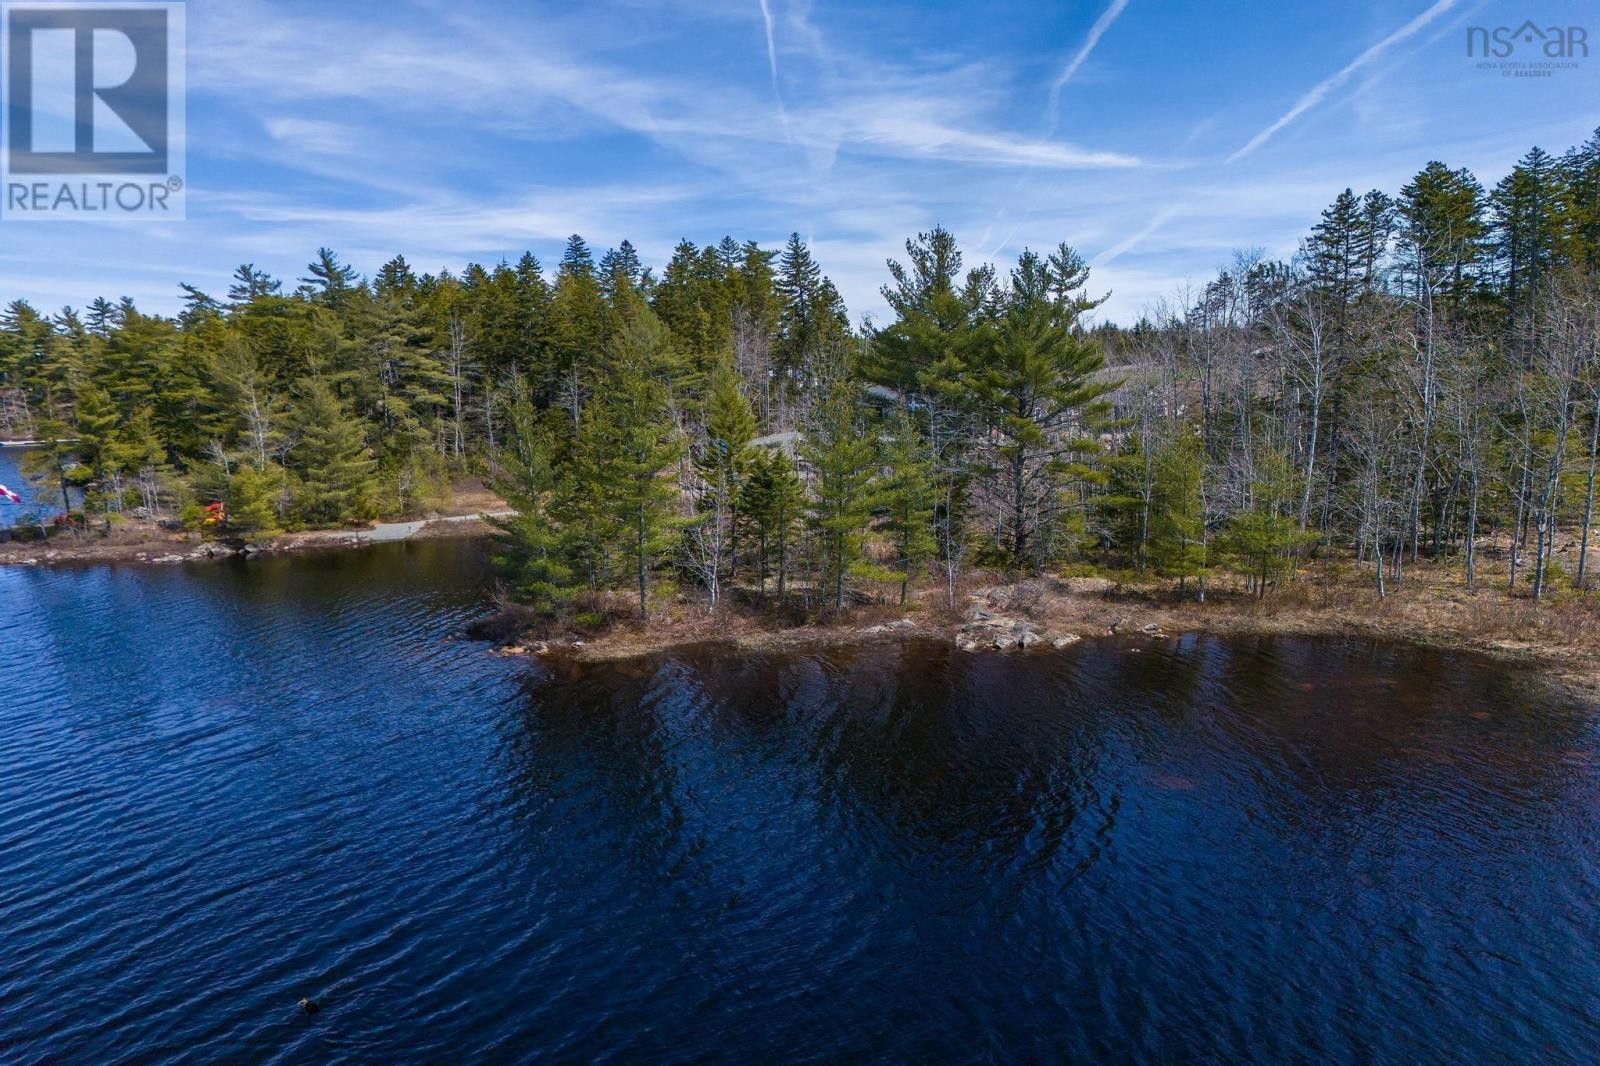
{"type": "Point", "coordinates": [1154, 136]}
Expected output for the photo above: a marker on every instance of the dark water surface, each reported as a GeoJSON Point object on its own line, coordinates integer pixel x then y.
{"type": "Point", "coordinates": [36, 502]}
{"type": "Point", "coordinates": [226, 787]}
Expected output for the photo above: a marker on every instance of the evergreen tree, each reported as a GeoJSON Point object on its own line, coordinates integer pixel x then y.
{"type": "Point", "coordinates": [620, 268]}
{"type": "Point", "coordinates": [103, 317]}
{"type": "Point", "coordinates": [137, 451]}
{"type": "Point", "coordinates": [1347, 245]}
{"type": "Point", "coordinates": [694, 300]}
{"type": "Point", "coordinates": [1035, 385]}
{"type": "Point", "coordinates": [923, 349]}
{"type": "Point", "coordinates": [773, 503]}
{"type": "Point", "coordinates": [1581, 175]}
{"type": "Point", "coordinates": [907, 496]}
{"type": "Point", "coordinates": [577, 332]}
{"type": "Point", "coordinates": [730, 424]}
{"type": "Point", "coordinates": [812, 314]}
{"type": "Point", "coordinates": [532, 553]}
{"type": "Point", "coordinates": [841, 452]}
{"type": "Point", "coordinates": [330, 281]}
{"type": "Point", "coordinates": [723, 462]}
{"type": "Point", "coordinates": [1264, 538]}
{"type": "Point", "coordinates": [54, 462]}
{"type": "Point", "coordinates": [255, 500]}
{"type": "Point", "coordinates": [634, 433]}
{"type": "Point", "coordinates": [250, 284]}
{"type": "Point", "coordinates": [1127, 505]}
{"type": "Point", "coordinates": [197, 306]}
{"type": "Point", "coordinates": [1530, 215]}
{"type": "Point", "coordinates": [1178, 527]}
{"type": "Point", "coordinates": [1442, 232]}
{"type": "Point", "coordinates": [97, 420]}
{"type": "Point", "coordinates": [335, 483]}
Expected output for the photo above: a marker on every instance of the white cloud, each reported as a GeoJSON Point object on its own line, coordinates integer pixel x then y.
{"type": "Point", "coordinates": [449, 130]}
{"type": "Point", "coordinates": [313, 135]}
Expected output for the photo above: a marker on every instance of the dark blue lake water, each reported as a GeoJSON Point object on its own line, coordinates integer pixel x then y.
{"type": "Point", "coordinates": [11, 477]}
{"type": "Point", "coordinates": [225, 787]}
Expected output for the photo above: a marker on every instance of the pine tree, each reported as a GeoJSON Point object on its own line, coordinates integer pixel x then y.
{"type": "Point", "coordinates": [532, 553]}
{"type": "Point", "coordinates": [1177, 525]}
{"type": "Point", "coordinates": [197, 306]}
{"type": "Point", "coordinates": [335, 482]}
{"type": "Point", "coordinates": [621, 268]}
{"type": "Point", "coordinates": [136, 450]}
{"type": "Point", "coordinates": [1581, 174]}
{"type": "Point", "coordinates": [773, 503]}
{"type": "Point", "coordinates": [730, 424]}
{"type": "Point", "coordinates": [1034, 384]}
{"type": "Point", "coordinates": [54, 462]}
{"type": "Point", "coordinates": [1531, 226]}
{"type": "Point", "coordinates": [1442, 232]}
{"type": "Point", "coordinates": [811, 316]}
{"type": "Point", "coordinates": [250, 284]}
{"type": "Point", "coordinates": [330, 281]}
{"type": "Point", "coordinates": [97, 420]}
{"type": "Point", "coordinates": [1127, 502]}
{"type": "Point", "coordinates": [634, 433]}
{"type": "Point", "coordinates": [1264, 538]}
{"type": "Point", "coordinates": [841, 452]}
{"type": "Point", "coordinates": [255, 500]}
{"type": "Point", "coordinates": [1375, 235]}
{"type": "Point", "coordinates": [924, 347]}
{"type": "Point", "coordinates": [401, 374]}
{"type": "Point", "coordinates": [694, 300]}
{"type": "Point", "coordinates": [581, 504]}
{"type": "Point", "coordinates": [103, 318]}
{"type": "Point", "coordinates": [723, 463]}
{"type": "Point", "coordinates": [907, 495]}
{"type": "Point", "coordinates": [1347, 245]}
{"type": "Point", "coordinates": [576, 335]}
{"type": "Point", "coordinates": [753, 287]}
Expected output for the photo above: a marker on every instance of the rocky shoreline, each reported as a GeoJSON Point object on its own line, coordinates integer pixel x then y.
{"type": "Point", "coordinates": [1556, 639]}
{"type": "Point", "coordinates": [1055, 614]}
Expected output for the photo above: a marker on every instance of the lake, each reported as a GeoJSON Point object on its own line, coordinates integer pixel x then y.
{"type": "Point", "coordinates": [11, 477]}
{"type": "Point", "coordinates": [227, 786]}
{"type": "Point", "coordinates": [37, 501]}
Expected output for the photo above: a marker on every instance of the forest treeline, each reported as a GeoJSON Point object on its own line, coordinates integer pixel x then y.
{"type": "Point", "coordinates": [1419, 381]}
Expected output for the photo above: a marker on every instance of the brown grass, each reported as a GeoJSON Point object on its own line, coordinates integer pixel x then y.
{"type": "Point", "coordinates": [1431, 606]}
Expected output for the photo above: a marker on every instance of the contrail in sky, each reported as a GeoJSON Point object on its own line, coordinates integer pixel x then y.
{"type": "Point", "coordinates": [772, 67]}
{"type": "Point", "coordinates": [1101, 25]}
{"type": "Point", "coordinates": [1327, 85]}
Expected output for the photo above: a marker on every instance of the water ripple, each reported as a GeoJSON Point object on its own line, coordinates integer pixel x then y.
{"type": "Point", "coordinates": [223, 788]}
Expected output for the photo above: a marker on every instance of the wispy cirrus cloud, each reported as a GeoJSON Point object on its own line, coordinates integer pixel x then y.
{"type": "Point", "coordinates": [866, 106]}
{"type": "Point", "coordinates": [456, 130]}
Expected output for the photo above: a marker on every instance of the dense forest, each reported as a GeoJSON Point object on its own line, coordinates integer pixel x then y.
{"type": "Point", "coordinates": [1420, 381]}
